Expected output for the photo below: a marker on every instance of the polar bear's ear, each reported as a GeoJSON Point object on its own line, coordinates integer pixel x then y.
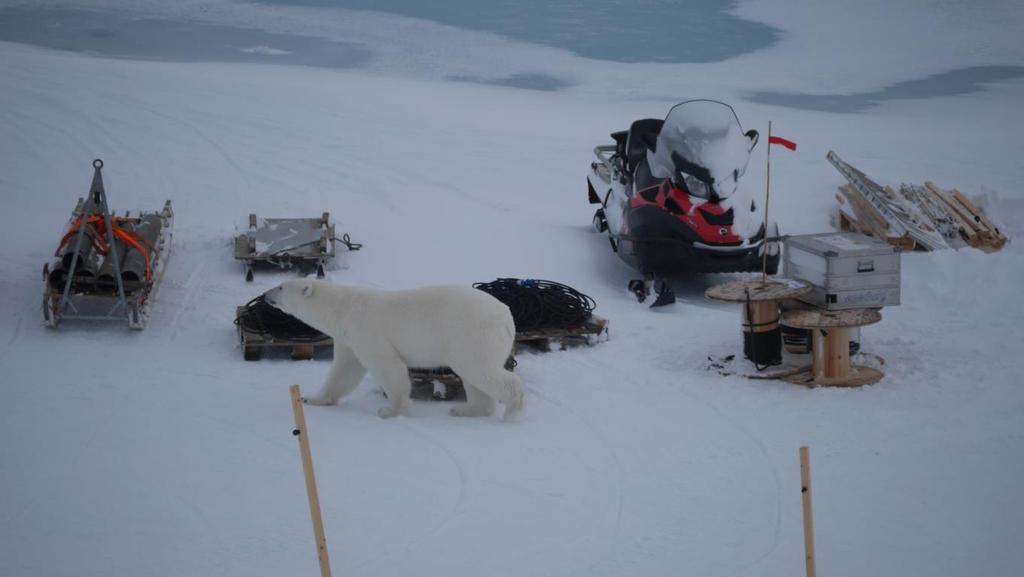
{"type": "Point", "coordinates": [307, 291]}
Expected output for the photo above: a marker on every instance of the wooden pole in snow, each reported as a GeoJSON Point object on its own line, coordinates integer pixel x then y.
{"type": "Point", "coordinates": [805, 490]}
{"type": "Point", "coordinates": [307, 467]}
{"type": "Point", "coordinates": [767, 188]}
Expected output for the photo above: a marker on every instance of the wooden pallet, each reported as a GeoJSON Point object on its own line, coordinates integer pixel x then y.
{"type": "Point", "coordinates": [589, 333]}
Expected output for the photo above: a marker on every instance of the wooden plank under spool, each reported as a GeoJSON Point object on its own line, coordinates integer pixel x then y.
{"type": "Point", "coordinates": [307, 467]}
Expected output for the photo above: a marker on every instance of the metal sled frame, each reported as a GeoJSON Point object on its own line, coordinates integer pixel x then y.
{"type": "Point", "coordinates": [66, 304]}
{"type": "Point", "coordinates": [313, 243]}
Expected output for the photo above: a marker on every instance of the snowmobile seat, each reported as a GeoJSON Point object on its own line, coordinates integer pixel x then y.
{"type": "Point", "coordinates": [620, 142]}
{"type": "Point", "coordinates": [642, 177]}
{"type": "Point", "coordinates": [643, 135]}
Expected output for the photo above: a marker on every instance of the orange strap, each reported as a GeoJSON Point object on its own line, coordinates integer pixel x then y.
{"type": "Point", "coordinates": [99, 237]}
{"type": "Point", "coordinates": [136, 241]}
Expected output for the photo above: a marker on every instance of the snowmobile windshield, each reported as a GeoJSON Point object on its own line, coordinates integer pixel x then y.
{"type": "Point", "coordinates": [702, 148]}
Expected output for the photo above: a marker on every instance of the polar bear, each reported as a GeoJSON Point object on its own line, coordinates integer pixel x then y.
{"type": "Point", "coordinates": [385, 333]}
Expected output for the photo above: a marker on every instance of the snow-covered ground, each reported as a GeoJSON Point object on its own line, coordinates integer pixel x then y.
{"type": "Point", "coordinates": [163, 453]}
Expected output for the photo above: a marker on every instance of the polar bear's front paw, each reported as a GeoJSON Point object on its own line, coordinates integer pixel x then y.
{"type": "Point", "coordinates": [319, 401]}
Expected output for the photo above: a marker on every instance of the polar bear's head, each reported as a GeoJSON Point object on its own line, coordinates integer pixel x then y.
{"type": "Point", "coordinates": [295, 297]}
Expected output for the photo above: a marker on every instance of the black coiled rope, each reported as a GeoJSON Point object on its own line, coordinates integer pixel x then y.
{"type": "Point", "coordinates": [540, 304]}
{"type": "Point", "coordinates": [264, 318]}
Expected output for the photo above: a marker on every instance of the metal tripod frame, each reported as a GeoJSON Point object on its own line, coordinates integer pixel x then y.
{"type": "Point", "coordinates": [96, 203]}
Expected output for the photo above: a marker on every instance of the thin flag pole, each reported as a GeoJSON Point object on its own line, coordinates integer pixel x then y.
{"type": "Point", "coordinates": [767, 188]}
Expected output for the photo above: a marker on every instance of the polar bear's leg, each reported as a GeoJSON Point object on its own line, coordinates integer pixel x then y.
{"type": "Point", "coordinates": [511, 395]}
{"type": "Point", "coordinates": [498, 385]}
{"type": "Point", "coordinates": [345, 375]}
{"type": "Point", "coordinates": [393, 375]}
{"type": "Point", "coordinates": [478, 403]}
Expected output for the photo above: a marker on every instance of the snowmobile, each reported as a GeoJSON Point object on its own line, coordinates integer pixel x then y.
{"type": "Point", "coordinates": [664, 188]}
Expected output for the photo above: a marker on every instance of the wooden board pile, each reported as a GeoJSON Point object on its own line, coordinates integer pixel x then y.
{"type": "Point", "coordinates": [913, 217]}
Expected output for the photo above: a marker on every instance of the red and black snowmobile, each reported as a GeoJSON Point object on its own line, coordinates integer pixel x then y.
{"type": "Point", "coordinates": [664, 188]}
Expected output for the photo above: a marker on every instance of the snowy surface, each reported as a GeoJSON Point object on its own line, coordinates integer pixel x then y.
{"type": "Point", "coordinates": [162, 453]}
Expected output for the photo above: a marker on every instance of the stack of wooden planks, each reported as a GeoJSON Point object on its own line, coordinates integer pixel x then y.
{"type": "Point", "coordinates": [857, 214]}
{"type": "Point", "coordinates": [970, 221]}
{"type": "Point", "coordinates": [913, 217]}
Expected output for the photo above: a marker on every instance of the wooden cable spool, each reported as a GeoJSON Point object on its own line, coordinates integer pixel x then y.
{"type": "Point", "coordinates": [759, 310]}
{"type": "Point", "coordinates": [830, 332]}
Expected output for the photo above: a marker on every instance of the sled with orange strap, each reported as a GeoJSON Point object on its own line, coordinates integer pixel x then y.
{"type": "Point", "coordinates": [107, 267]}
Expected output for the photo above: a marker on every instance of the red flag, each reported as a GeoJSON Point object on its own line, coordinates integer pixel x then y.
{"type": "Point", "coordinates": [779, 140]}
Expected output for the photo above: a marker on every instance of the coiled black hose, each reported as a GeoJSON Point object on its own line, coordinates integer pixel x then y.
{"type": "Point", "coordinates": [540, 304]}
{"type": "Point", "coordinates": [262, 317]}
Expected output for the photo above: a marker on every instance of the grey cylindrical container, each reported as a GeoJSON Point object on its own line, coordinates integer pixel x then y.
{"type": "Point", "coordinates": [105, 277]}
{"type": "Point", "coordinates": [148, 230]}
{"type": "Point", "coordinates": [87, 260]}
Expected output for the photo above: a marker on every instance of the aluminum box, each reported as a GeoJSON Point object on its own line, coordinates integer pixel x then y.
{"type": "Point", "coordinates": [848, 270]}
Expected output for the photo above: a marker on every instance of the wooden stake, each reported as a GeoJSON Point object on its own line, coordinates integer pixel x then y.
{"type": "Point", "coordinates": [307, 467]}
{"type": "Point", "coordinates": [805, 482]}
{"type": "Point", "coordinates": [767, 188]}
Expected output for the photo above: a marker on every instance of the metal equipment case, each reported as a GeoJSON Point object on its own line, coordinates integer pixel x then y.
{"type": "Point", "coordinates": [848, 270]}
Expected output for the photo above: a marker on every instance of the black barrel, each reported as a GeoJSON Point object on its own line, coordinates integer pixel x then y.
{"type": "Point", "coordinates": [762, 337]}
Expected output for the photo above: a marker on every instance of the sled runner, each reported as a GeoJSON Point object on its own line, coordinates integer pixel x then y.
{"type": "Point", "coordinates": [107, 267]}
